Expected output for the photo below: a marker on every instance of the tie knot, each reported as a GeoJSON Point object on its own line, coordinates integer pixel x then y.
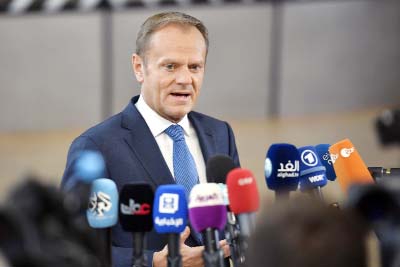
{"type": "Point", "coordinates": [175, 131]}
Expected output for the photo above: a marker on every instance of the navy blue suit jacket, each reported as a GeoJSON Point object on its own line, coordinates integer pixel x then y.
{"type": "Point", "coordinates": [131, 154]}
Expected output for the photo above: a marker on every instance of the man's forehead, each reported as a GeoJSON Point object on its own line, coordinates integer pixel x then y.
{"type": "Point", "coordinates": [169, 32]}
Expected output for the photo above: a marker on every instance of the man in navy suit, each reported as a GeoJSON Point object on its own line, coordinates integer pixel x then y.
{"type": "Point", "coordinates": [169, 63]}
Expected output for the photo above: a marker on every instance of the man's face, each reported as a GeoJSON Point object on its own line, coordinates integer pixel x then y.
{"type": "Point", "coordinates": [172, 75]}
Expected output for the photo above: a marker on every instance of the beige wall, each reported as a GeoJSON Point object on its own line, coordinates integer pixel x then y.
{"type": "Point", "coordinates": [336, 56]}
{"type": "Point", "coordinates": [44, 153]}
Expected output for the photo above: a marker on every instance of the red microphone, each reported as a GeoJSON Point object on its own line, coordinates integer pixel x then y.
{"type": "Point", "coordinates": [242, 191]}
{"type": "Point", "coordinates": [244, 201]}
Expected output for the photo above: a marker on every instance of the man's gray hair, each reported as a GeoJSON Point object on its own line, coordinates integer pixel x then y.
{"type": "Point", "coordinates": [160, 20]}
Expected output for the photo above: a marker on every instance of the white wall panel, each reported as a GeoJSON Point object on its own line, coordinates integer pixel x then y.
{"type": "Point", "coordinates": [340, 56]}
{"type": "Point", "coordinates": [50, 71]}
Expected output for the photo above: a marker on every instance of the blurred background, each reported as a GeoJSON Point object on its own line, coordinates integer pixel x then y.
{"type": "Point", "coordinates": [302, 72]}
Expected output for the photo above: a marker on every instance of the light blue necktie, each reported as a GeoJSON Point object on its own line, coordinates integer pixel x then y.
{"type": "Point", "coordinates": [185, 171]}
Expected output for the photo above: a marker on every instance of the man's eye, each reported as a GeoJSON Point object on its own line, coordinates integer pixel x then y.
{"type": "Point", "coordinates": [170, 66]}
{"type": "Point", "coordinates": [195, 67]}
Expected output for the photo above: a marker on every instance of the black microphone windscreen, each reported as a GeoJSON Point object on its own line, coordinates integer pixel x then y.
{"type": "Point", "coordinates": [218, 167]}
{"type": "Point", "coordinates": [135, 207]}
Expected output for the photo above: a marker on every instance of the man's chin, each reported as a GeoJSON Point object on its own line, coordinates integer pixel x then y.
{"type": "Point", "coordinates": [177, 116]}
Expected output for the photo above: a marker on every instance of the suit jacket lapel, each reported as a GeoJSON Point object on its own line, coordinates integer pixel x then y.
{"type": "Point", "coordinates": [206, 136]}
{"type": "Point", "coordinates": [144, 145]}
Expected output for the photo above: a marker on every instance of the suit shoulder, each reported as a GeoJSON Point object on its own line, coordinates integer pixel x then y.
{"type": "Point", "coordinates": [105, 129]}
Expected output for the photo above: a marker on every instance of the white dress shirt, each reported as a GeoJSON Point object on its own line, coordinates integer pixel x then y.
{"type": "Point", "coordinates": [158, 124]}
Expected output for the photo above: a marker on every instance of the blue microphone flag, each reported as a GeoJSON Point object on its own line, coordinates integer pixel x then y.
{"type": "Point", "coordinates": [312, 172]}
{"type": "Point", "coordinates": [282, 166]}
{"type": "Point", "coordinates": [89, 166]}
{"type": "Point", "coordinates": [170, 210]}
{"type": "Point", "coordinates": [325, 157]}
{"type": "Point", "coordinates": [103, 204]}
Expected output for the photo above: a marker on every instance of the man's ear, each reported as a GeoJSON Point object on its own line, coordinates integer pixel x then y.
{"type": "Point", "coordinates": [138, 67]}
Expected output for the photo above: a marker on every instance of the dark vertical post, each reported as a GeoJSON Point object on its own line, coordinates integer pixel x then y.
{"type": "Point", "coordinates": [107, 62]}
{"type": "Point", "coordinates": [275, 58]}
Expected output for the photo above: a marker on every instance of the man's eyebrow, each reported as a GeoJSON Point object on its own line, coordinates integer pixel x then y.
{"type": "Point", "coordinates": [200, 62]}
{"type": "Point", "coordinates": [170, 60]}
{"type": "Point", "coordinates": [163, 60]}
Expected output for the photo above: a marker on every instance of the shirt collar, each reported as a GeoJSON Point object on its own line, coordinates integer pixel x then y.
{"type": "Point", "coordinates": [155, 122]}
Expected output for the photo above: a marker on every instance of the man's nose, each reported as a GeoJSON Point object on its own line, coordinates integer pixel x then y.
{"type": "Point", "coordinates": [184, 76]}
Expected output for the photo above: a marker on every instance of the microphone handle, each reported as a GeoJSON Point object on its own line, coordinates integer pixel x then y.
{"type": "Point", "coordinates": [232, 234]}
{"type": "Point", "coordinates": [281, 195]}
{"type": "Point", "coordinates": [378, 173]}
{"type": "Point", "coordinates": [174, 258]}
{"type": "Point", "coordinates": [104, 246]}
{"type": "Point", "coordinates": [247, 223]}
{"type": "Point", "coordinates": [137, 251]}
{"type": "Point", "coordinates": [392, 172]}
{"type": "Point", "coordinates": [316, 193]}
{"type": "Point", "coordinates": [243, 245]}
{"type": "Point", "coordinates": [213, 256]}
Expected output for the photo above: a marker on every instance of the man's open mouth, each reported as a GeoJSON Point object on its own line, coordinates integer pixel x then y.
{"type": "Point", "coordinates": [180, 94]}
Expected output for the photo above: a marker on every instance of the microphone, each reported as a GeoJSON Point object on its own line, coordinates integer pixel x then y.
{"type": "Point", "coordinates": [244, 201]}
{"type": "Point", "coordinates": [88, 166]}
{"type": "Point", "coordinates": [103, 214]}
{"type": "Point", "coordinates": [243, 198]}
{"type": "Point", "coordinates": [349, 167]}
{"type": "Point", "coordinates": [218, 167]}
{"type": "Point", "coordinates": [207, 214]}
{"type": "Point", "coordinates": [312, 172]}
{"type": "Point", "coordinates": [380, 173]}
{"type": "Point", "coordinates": [325, 158]}
{"type": "Point", "coordinates": [282, 169]}
{"type": "Point", "coordinates": [103, 204]}
{"type": "Point", "coordinates": [170, 215]}
{"type": "Point", "coordinates": [135, 215]}
{"type": "Point", "coordinates": [387, 126]}
{"type": "Point", "coordinates": [379, 205]}
{"type": "Point", "coordinates": [217, 170]}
